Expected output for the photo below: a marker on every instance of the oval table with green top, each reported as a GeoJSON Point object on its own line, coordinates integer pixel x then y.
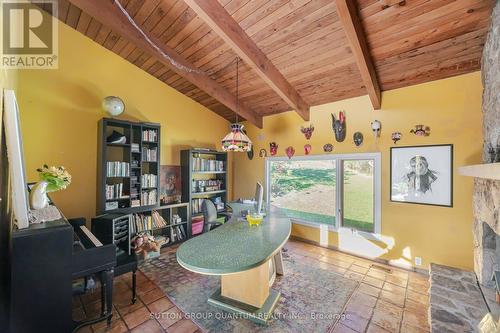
{"type": "Point", "coordinates": [241, 254]}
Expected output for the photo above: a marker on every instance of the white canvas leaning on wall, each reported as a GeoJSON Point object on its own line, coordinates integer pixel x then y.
{"type": "Point", "coordinates": [15, 157]}
{"type": "Point", "coordinates": [422, 175]}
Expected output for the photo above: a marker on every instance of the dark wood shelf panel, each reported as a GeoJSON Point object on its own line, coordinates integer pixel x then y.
{"type": "Point", "coordinates": [208, 193]}
{"type": "Point", "coordinates": [126, 145]}
{"type": "Point", "coordinates": [209, 172]}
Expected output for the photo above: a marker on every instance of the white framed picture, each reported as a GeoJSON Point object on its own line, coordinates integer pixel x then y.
{"type": "Point", "coordinates": [422, 175]}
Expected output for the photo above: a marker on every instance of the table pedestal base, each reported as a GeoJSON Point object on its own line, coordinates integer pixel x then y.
{"type": "Point", "coordinates": [258, 315]}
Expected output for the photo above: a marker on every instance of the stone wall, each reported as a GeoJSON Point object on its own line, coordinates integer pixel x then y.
{"type": "Point", "coordinates": [486, 196]}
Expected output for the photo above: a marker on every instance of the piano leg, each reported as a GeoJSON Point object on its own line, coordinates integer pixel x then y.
{"type": "Point", "coordinates": [107, 294]}
{"type": "Point", "coordinates": [134, 284]}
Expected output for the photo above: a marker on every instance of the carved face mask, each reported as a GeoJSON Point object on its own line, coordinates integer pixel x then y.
{"type": "Point", "coordinates": [339, 126]}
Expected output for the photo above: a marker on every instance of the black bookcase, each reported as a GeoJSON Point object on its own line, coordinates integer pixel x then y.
{"type": "Point", "coordinates": [204, 176]}
{"type": "Point", "coordinates": [128, 173]}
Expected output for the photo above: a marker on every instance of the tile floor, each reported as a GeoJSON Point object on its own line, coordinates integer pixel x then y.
{"type": "Point", "coordinates": [387, 300]}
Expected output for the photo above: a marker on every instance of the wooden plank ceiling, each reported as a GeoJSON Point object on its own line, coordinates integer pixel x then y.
{"type": "Point", "coordinates": [409, 42]}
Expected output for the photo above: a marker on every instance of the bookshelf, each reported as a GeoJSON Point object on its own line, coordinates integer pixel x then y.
{"type": "Point", "coordinates": [176, 231]}
{"type": "Point", "coordinates": [204, 175]}
{"type": "Point", "coordinates": [128, 170]}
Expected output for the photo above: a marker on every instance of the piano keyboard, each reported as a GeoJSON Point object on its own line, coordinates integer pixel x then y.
{"type": "Point", "coordinates": [90, 236]}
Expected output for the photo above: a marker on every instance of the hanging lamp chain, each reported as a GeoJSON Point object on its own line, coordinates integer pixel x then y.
{"type": "Point", "coordinates": [237, 87]}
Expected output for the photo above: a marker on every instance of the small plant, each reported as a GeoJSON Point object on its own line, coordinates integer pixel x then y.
{"type": "Point", "coordinates": [57, 177]}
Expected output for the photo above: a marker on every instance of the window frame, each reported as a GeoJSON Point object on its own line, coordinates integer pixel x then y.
{"type": "Point", "coordinates": [338, 158]}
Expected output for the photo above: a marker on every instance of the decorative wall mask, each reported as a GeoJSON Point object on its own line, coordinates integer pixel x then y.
{"type": "Point", "coordinates": [262, 153]}
{"type": "Point", "coordinates": [307, 131]}
{"type": "Point", "coordinates": [328, 148]}
{"type": "Point", "coordinates": [376, 128]}
{"type": "Point", "coordinates": [421, 130]}
{"type": "Point", "coordinates": [290, 151]}
{"type": "Point", "coordinates": [307, 149]}
{"type": "Point", "coordinates": [250, 153]}
{"type": "Point", "coordinates": [358, 138]}
{"type": "Point", "coordinates": [339, 126]}
{"type": "Point", "coordinates": [396, 136]}
{"type": "Point", "coordinates": [273, 148]}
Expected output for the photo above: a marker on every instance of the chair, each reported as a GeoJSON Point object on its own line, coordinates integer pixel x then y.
{"type": "Point", "coordinates": [210, 215]}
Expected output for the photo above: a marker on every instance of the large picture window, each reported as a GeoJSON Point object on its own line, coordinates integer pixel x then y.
{"type": "Point", "coordinates": [339, 191]}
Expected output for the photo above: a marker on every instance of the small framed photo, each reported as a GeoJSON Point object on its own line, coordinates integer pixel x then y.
{"type": "Point", "coordinates": [422, 175]}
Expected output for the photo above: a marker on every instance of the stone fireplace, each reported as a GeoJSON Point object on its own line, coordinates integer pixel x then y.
{"type": "Point", "coordinates": [486, 198]}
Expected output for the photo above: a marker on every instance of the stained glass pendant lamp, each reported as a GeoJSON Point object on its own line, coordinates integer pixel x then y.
{"type": "Point", "coordinates": [236, 140]}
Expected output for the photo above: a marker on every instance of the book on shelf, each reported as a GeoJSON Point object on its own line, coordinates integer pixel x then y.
{"type": "Point", "coordinates": [208, 185]}
{"type": "Point", "coordinates": [149, 197]}
{"type": "Point", "coordinates": [177, 233]}
{"type": "Point", "coordinates": [149, 180]}
{"type": "Point", "coordinates": [204, 164]}
{"type": "Point", "coordinates": [134, 147]}
{"type": "Point", "coordinates": [149, 155]}
{"type": "Point", "coordinates": [117, 169]}
{"type": "Point", "coordinates": [115, 191]}
{"type": "Point", "coordinates": [196, 204]}
{"type": "Point", "coordinates": [150, 135]}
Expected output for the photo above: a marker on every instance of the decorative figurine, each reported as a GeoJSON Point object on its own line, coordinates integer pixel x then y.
{"type": "Point", "coordinates": [339, 126]}
{"type": "Point", "coordinates": [262, 153]}
{"type": "Point", "coordinates": [358, 138]}
{"type": "Point", "coordinates": [307, 149]}
{"type": "Point", "coordinates": [421, 130]}
{"type": "Point", "coordinates": [307, 131]}
{"type": "Point", "coordinates": [273, 148]}
{"type": "Point", "coordinates": [328, 148]}
{"type": "Point", "coordinates": [290, 151]}
{"type": "Point", "coordinates": [396, 136]}
{"type": "Point", "coordinates": [250, 153]}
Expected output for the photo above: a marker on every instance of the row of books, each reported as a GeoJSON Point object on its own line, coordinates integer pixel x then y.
{"type": "Point", "coordinates": [150, 135]}
{"type": "Point", "coordinates": [203, 164]}
{"type": "Point", "coordinates": [117, 169]}
{"type": "Point", "coordinates": [149, 180]}
{"type": "Point", "coordinates": [142, 222]}
{"type": "Point", "coordinates": [149, 155]}
{"type": "Point", "coordinates": [149, 198]}
{"type": "Point", "coordinates": [114, 191]}
{"type": "Point", "coordinates": [134, 147]}
{"type": "Point", "coordinates": [207, 185]}
{"type": "Point", "coordinates": [196, 204]}
{"type": "Point", "coordinates": [177, 233]}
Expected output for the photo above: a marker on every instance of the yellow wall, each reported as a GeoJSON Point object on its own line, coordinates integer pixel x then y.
{"type": "Point", "coordinates": [60, 110]}
{"type": "Point", "coordinates": [451, 107]}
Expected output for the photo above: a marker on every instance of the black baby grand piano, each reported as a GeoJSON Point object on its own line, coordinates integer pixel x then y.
{"type": "Point", "coordinates": [44, 260]}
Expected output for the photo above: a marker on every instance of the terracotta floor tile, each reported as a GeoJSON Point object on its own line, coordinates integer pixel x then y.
{"type": "Point", "coordinates": [169, 317]}
{"type": "Point", "coordinates": [355, 322]}
{"type": "Point", "coordinates": [369, 290]}
{"type": "Point", "coordinates": [405, 328]}
{"type": "Point", "coordinates": [152, 296]}
{"type": "Point", "coordinates": [398, 281]}
{"type": "Point", "coordinates": [78, 314]}
{"type": "Point", "coordinates": [363, 263]}
{"type": "Point", "coordinates": [335, 261]}
{"type": "Point", "coordinates": [117, 326]}
{"type": "Point", "coordinates": [420, 287]}
{"type": "Point", "coordinates": [91, 296]}
{"type": "Point", "coordinates": [144, 287]}
{"type": "Point", "coordinates": [128, 307]}
{"type": "Point", "coordinates": [372, 328]}
{"type": "Point", "coordinates": [343, 329]}
{"type": "Point", "coordinates": [416, 319]}
{"type": "Point", "coordinates": [373, 281]}
{"type": "Point", "coordinates": [416, 307]}
{"type": "Point", "coordinates": [183, 326]}
{"type": "Point", "coordinates": [161, 305]}
{"type": "Point", "coordinates": [417, 297]}
{"type": "Point", "coordinates": [396, 299]}
{"type": "Point", "coordinates": [358, 269]}
{"type": "Point", "coordinates": [400, 274]}
{"type": "Point", "coordinates": [353, 276]}
{"type": "Point", "coordinates": [357, 309]}
{"type": "Point", "coordinates": [150, 326]}
{"type": "Point", "coordinates": [361, 298]}
{"type": "Point", "coordinates": [377, 274]}
{"type": "Point", "coordinates": [393, 288]}
{"type": "Point", "coordinates": [137, 317]}
{"type": "Point", "coordinates": [104, 323]}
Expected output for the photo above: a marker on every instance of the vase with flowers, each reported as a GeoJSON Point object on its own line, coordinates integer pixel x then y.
{"type": "Point", "coordinates": [52, 179]}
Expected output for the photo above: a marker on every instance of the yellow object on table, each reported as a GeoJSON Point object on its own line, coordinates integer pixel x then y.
{"type": "Point", "coordinates": [254, 219]}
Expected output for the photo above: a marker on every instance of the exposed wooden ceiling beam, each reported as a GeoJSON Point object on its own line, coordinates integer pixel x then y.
{"type": "Point", "coordinates": [348, 15]}
{"type": "Point", "coordinates": [219, 20]}
{"type": "Point", "coordinates": [109, 13]}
